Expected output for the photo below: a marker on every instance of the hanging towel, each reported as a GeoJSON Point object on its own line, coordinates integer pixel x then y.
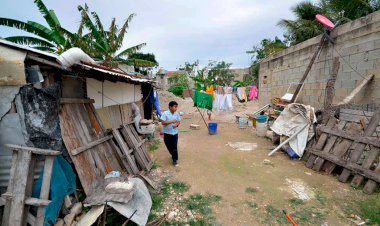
{"type": "Point", "coordinates": [210, 89]}
{"type": "Point", "coordinates": [202, 100]}
{"type": "Point", "coordinates": [244, 94]}
{"type": "Point", "coordinates": [156, 104]}
{"type": "Point", "coordinates": [253, 93]}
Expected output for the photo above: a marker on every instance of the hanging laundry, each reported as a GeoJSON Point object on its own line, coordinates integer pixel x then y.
{"type": "Point", "coordinates": [253, 93]}
{"type": "Point", "coordinates": [156, 104]}
{"type": "Point", "coordinates": [202, 100]}
{"type": "Point", "coordinates": [210, 89]}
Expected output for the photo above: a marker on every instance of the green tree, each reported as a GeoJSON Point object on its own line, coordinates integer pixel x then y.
{"type": "Point", "coordinates": [304, 26]}
{"type": "Point", "coordinates": [220, 73]}
{"type": "Point", "coordinates": [52, 38]}
{"type": "Point", "coordinates": [178, 83]}
{"type": "Point", "coordinates": [266, 48]}
{"type": "Point", "coordinates": [338, 11]}
{"type": "Point", "coordinates": [106, 44]}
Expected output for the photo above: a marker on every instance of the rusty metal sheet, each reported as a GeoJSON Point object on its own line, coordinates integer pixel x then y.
{"type": "Point", "coordinates": [12, 68]}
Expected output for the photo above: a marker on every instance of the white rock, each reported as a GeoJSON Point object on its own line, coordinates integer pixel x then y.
{"type": "Point", "coordinates": [171, 215]}
{"type": "Point", "coordinates": [59, 222]}
{"type": "Point", "coordinates": [69, 219]}
{"type": "Point", "coordinates": [76, 209]}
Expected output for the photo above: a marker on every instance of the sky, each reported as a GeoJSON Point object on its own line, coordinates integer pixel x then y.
{"type": "Point", "coordinates": [176, 31]}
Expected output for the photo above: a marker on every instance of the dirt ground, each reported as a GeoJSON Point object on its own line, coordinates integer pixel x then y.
{"type": "Point", "coordinates": [253, 189]}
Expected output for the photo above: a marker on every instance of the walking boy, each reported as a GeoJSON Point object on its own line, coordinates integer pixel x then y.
{"type": "Point", "coordinates": [170, 120]}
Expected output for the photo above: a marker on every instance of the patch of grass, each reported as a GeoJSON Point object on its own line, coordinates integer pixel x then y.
{"type": "Point", "coordinates": [296, 201]}
{"type": "Point", "coordinates": [320, 198]}
{"type": "Point", "coordinates": [252, 205]}
{"type": "Point", "coordinates": [155, 165]}
{"type": "Point", "coordinates": [200, 204]}
{"type": "Point", "coordinates": [370, 209]}
{"type": "Point", "coordinates": [166, 187]}
{"type": "Point", "coordinates": [250, 190]}
{"type": "Point", "coordinates": [305, 216]}
{"type": "Point", "coordinates": [274, 215]}
{"type": "Point", "coordinates": [154, 145]}
{"type": "Point", "coordinates": [180, 186]}
{"type": "Point", "coordinates": [311, 216]}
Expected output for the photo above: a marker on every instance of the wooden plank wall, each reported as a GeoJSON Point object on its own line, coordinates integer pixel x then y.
{"type": "Point", "coordinates": [80, 126]}
{"type": "Point", "coordinates": [116, 115]}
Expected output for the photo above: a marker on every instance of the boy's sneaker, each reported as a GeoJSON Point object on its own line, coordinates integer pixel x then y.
{"type": "Point", "coordinates": [175, 163]}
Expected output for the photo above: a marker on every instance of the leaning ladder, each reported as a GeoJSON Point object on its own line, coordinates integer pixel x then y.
{"type": "Point", "coordinates": [18, 196]}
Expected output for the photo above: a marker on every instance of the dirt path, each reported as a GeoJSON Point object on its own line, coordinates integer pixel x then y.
{"type": "Point", "coordinates": [210, 166]}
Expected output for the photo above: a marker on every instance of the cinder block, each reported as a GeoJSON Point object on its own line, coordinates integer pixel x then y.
{"type": "Point", "coordinates": [367, 46]}
{"type": "Point", "coordinates": [355, 77]}
{"type": "Point", "coordinates": [347, 68]}
{"type": "Point", "coordinates": [355, 58]}
{"type": "Point", "coordinates": [350, 84]}
{"type": "Point", "coordinates": [341, 92]}
{"type": "Point", "coordinates": [363, 66]}
{"type": "Point", "coordinates": [374, 54]}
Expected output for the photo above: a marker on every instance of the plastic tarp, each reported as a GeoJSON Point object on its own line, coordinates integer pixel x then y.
{"type": "Point", "coordinates": [292, 119]}
{"type": "Point", "coordinates": [62, 184]}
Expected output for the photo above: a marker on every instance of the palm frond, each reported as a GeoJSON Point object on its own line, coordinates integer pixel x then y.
{"type": "Point", "coordinates": [141, 63]}
{"type": "Point", "coordinates": [44, 48]}
{"type": "Point", "coordinates": [123, 30]}
{"type": "Point", "coordinates": [29, 27]}
{"type": "Point", "coordinates": [52, 35]}
{"type": "Point", "coordinates": [94, 32]}
{"type": "Point", "coordinates": [130, 50]}
{"type": "Point", "coordinates": [112, 36]}
{"type": "Point", "coordinates": [49, 15]}
{"type": "Point", "coordinates": [98, 22]}
{"type": "Point", "coordinates": [30, 41]}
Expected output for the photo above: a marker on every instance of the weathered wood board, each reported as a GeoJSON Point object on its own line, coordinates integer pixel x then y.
{"type": "Point", "coordinates": [80, 126]}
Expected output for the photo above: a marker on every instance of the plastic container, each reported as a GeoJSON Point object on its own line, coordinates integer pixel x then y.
{"type": "Point", "coordinates": [212, 128]}
{"type": "Point", "coordinates": [243, 122]}
{"type": "Point", "coordinates": [261, 129]}
{"type": "Point", "coordinates": [261, 118]}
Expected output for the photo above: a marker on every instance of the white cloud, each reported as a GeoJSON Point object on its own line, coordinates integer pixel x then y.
{"type": "Point", "coordinates": [175, 31]}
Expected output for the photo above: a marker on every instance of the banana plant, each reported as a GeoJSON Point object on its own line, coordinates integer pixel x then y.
{"type": "Point", "coordinates": [52, 38]}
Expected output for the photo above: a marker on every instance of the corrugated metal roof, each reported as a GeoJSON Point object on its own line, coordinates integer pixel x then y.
{"type": "Point", "coordinates": [26, 48]}
{"type": "Point", "coordinates": [98, 68]}
{"type": "Point", "coordinates": [115, 73]}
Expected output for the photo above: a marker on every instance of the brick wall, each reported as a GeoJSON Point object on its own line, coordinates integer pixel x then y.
{"type": "Point", "coordinates": [358, 42]}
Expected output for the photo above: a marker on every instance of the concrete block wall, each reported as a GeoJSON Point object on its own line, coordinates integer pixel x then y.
{"type": "Point", "coordinates": [358, 47]}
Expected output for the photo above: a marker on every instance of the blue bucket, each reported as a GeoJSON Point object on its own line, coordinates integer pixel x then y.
{"type": "Point", "coordinates": [261, 118]}
{"type": "Point", "coordinates": [212, 128]}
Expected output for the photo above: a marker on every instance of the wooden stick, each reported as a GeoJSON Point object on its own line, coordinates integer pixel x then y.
{"type": "Point", "coordinates": [330, 90]}
{"type": "Point", "coordinates": [37, 151]}
{"type": "Point", "coordinates": [91, 145]}
{"type": "Point", "coordinates": [287, 140]}
{"type": "Point", "coordinates": [355, 92]}
{"type": "Point", "coordinates": [300, 85]}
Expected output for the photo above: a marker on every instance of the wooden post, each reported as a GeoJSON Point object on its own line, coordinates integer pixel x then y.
{"type": "Point", "coordinates": [18, 194]}
{"type": "Point", "coordinates": [300, 85]}
{"type": "Point", "coordinates": [45, 189]}
{"type": "Point", "coordinates": [8, 202]}
{"type": "Point", "coordinates": [359, 147]}
{"type": "Point", "coordinates": [330, 91]}
{"type": "Point", "coordinates": [371, 184]}
{"type": "Point", "coordinates": [355, 92]}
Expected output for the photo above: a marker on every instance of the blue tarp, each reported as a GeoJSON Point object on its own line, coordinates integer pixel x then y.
{"type": "Point", "coordinates": [63, 182]}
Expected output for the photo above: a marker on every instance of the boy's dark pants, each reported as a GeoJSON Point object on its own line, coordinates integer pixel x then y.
{"type": "Point", "coordinates": [171, 142]}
